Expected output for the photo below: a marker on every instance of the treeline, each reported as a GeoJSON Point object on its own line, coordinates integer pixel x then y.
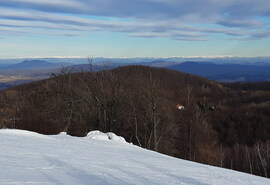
{"type": "Point", "coordinates": [218, 126]}
{"type": "Point", "coordinates": [244, 86]}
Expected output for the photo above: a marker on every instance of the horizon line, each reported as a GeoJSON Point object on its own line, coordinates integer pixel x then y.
{"type": "Point", "coordinates": [82, 57]}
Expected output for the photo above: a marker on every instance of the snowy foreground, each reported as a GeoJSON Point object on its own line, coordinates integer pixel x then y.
{"type": "Point", "coordinates": [31, 158]}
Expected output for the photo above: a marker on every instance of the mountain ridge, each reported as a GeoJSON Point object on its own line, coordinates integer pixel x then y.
{"type": "Point", "coordinates": [34, 64]}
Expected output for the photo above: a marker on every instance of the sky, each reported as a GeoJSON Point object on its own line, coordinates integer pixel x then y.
{"type": "Point", "coordinates": [134, 28]}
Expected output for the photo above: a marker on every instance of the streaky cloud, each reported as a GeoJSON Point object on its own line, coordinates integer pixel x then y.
{"type": "Point", "coordinates": [146, 18]}
{"type": "Point", "coordinates": [241, 23]}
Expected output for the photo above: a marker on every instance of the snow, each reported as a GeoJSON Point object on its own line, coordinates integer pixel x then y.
{"type": "Point", "coordinates": [25, 133]}
{"type": "Point", "coordinates": [100, 158]}
{"type": "Point", "coordinates": [105, 136]}
{"type": "Point", "coordinates": [97, 135]}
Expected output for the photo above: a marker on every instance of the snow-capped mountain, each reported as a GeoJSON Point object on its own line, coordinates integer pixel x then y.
{"type": "Point", "coordinates": [31, 158]}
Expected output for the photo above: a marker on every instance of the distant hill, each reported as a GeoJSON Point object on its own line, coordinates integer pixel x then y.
{"type": "Point", "coordinates": [35, 64]}
{"type": "Point", "coordinates": [159, 63]}
{"type": "Point", "coordinates": [222, 72]}
{"type": "Point", "coordinates": [225, 72]}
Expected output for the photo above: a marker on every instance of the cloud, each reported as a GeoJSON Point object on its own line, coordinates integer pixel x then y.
{"type": "Point", "coordinates": [148, 9]}
{"type": "Point", "coordinates": [261, 34]}
{"type": "Point", "coordinates": [45, 5]}
{"type": "Point", "coordinates": [176, 35]}
{"type": "Point", "coordinates": [15, 31]}
{"type": "Point", "coordinates": [241, 23]}
{"type": "Point", "coordinates": [176, 19]}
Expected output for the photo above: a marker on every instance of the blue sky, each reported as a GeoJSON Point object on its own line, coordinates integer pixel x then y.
{"type": "Point", "coordinates": [134, 28]}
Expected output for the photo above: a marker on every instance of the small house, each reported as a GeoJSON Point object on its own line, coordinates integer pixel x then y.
{"type": "Point", "coordinates": [180, 107]}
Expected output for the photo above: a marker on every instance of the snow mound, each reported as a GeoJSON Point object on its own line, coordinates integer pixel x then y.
{"type": "Point", "coordinates": [97, 135]}
{"type": "Point", "coordinates": [17, 132]}
{"type": "Point", "coordinates": [109, 136]}
{"type": "Point", "coordinates": [114, 137]}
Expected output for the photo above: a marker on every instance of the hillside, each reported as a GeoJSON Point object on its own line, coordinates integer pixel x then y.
{"type": "Point", "coordinates": [218, 125]}
{"type": "Point", "coordinates": [32, 158]}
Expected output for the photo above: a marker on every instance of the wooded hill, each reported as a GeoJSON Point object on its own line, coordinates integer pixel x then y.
{"type": "Point", "coordinates": [220, 124]}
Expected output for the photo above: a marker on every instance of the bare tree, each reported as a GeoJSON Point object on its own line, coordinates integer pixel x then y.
{"type": "Point", "coordinates": [67, 96]}
{"type": "Point", "coordinates": [249, 160]}
{"type": "Point", "coordinates": [263, 154]}
{"type": "Point", "coordinates": [150, 106]}
{"type": "Point", "coordinates": [133, 119]}
{"type": "Point", "coordinates": [104, 92]}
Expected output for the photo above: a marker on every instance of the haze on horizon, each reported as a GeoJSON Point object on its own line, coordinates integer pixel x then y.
{"type": "Point", "coordinates": [141, 28]}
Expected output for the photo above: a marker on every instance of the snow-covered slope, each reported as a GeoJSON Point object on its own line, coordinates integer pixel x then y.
{"type": "Point", "coordinates": [31, 158]}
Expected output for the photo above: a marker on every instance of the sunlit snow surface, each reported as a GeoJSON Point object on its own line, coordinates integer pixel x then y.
{"type": "Point", "coordinates": [31, 158]}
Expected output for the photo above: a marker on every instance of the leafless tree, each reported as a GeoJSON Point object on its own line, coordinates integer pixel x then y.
{"type": "Point", "coordinates": [150, 107]}
{"type": "Point", "coordinates": [263, 154]}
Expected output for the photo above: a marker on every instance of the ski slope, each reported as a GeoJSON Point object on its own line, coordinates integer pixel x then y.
{"type": "Point", "coordinates": [31, 158]}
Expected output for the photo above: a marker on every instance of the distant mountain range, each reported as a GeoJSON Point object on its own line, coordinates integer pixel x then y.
{"type": "Point", "coordinates": [34, 64]}
{"type": "Point", "coordinates": [124, 60]}
{"type": "Point", "coordinates": [225, 72]}
{"type": "Point", "coordinates": [31, 67]}
{"type": "Point", "coordinates": [33, 70]}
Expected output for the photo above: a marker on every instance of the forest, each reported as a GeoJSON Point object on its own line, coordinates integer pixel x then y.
{"type": "Point", "coordinates": [221, 124]}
